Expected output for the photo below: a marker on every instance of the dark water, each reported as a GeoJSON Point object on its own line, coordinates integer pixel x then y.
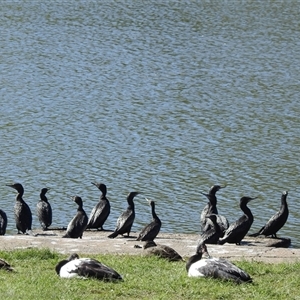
{"type": "Point", "coordinates": [167, 98]}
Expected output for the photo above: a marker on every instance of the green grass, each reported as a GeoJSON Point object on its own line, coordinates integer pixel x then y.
{"type": "Point", "coordinates": [144, 278]}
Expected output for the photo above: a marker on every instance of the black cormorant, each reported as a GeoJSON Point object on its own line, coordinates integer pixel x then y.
{"type": "Point", "coordinates": [78, 224]}
{"type": "Point", "coordinates": [277, 221]}
{"type": "Point", "coordinates": [85, 267]}
{"type": "Point", "coordinates": [126, 219]}
{"type": "Point", "coordinates": [211, 208]}
{"type": "Point", "coordinates": [23, 215]}
{"type": "Point", "coordinates": [212, 235]}
{"type": "Point", "coordinates": [162, 251]}
{"type": "Point", "coordinates": [101, 211]}
{"type": "Point", "coordinates": [237, 230]}
{"type": "Point", "coordinates": [3, 222]}
{"type": "Point", "coordinates": [202, 265]}
{"type": "Point", "coordinates": [150, 231]}
{"type": "Point", "coordinates": [44, 210]}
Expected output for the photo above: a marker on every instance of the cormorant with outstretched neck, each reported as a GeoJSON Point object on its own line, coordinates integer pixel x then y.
{"type": "Point", "coordinates": [237, 230]}
{"type": "Point", "coordinates": [44, 210]}
{"type": "Point", "coordinates": [277, 221]}
{"type": "Point", "coordinates": [22, 212]}
{"type": "Point", "coordinates": [85, 267]}
{"type": "Point", "coordinates": [3, 222]}
{"type": "Point", "coordinates": [150, 231]}
{"type": "Point", "coordinates": [101, 211]}
{"type": "Point", "coordinates": [212, 235]}
{"type": "Point", "coordinates": [211, 208]}
{"type": "Point", "coordinates": [126, 219]}
{"type": "Point", "coordinates": [78, 224]}
{"type": "Point", "coordinates": [203, 265]}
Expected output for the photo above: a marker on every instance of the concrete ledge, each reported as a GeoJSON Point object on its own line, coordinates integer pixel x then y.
{"type": "Point", "coordinates": [94, 242]}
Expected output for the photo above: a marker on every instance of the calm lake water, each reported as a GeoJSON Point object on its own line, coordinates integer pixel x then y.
{"type": "Point", "coordinates": [163, 97]}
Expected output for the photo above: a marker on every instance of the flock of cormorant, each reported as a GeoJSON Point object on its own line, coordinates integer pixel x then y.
{"type": "Point", "coordinates": [215, 230]}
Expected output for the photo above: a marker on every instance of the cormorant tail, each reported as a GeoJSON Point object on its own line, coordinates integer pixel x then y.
{"type": "Point", "coordinates": [257, 233]}
{"type": "Point", "coordinates": [221, 242]}
{"type": "Point", "coordinates": [113, 235]}
{"type": "Point", "coordinates": [254, 234]}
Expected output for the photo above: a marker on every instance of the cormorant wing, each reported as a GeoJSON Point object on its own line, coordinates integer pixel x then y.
{"type": "Point", "coordinates": [236, 227]}
{"type": "Point", "coordinates": [150, 231]}
{"type": "Point", "coordinates": [97, 210]}
{"type": "Point", "coordinates": [276, 218]}
{"type": "Point", "coordinates": [77, 223]}
{"type": "Point", "coordinates": [44, 212]}
{"type": "Point", "coordinates": [124, 220]}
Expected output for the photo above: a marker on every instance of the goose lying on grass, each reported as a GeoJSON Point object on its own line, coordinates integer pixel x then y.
{"type": "Point", "coordinates": [202, 265]}
{"type": "Point", "coordinates": [85, 267]}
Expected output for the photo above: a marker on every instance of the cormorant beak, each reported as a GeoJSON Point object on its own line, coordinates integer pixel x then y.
{"type": "Point", "coordinates": [206, 195]}
{"type": "Point", "coordinates": [252, 199]}
{"type": "Point", "coordinates": [148, 200]}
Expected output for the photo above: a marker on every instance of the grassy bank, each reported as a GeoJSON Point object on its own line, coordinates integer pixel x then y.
{"type": "Point", "coordinates": [144, 278]}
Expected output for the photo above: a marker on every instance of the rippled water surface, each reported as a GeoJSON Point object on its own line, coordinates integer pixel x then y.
{"type": "Point", "coordinates": [167, 98]}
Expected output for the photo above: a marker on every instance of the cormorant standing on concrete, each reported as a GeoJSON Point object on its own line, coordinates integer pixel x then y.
{"type": "Point", "coordinates": [126, 219]}
{"type": "Point", "coordinates": [202, 265]}
{"type": "Point", "coordinates": [211, 208]}
{"type": "Point", "coordinates": [101, 211]}
{"type": "Point", "coordinates": [150, 231]}
{"type": "Point", "coordinates": [237, 230]}
{"type": "Point", "coordinates": [3, 222]}
{"type": "Point", "coordinates": [78, 224]}
{"type": "Point", "coordinates": [44, 210]}
{"type": "Point", "coordinates": [85, 267]}
{"type": "Point", "coordinates": [212, 235]}
{"type": "Point", "coordinates": [23, 215]}
{"type": "Point", "coordinates": [277, 221]}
